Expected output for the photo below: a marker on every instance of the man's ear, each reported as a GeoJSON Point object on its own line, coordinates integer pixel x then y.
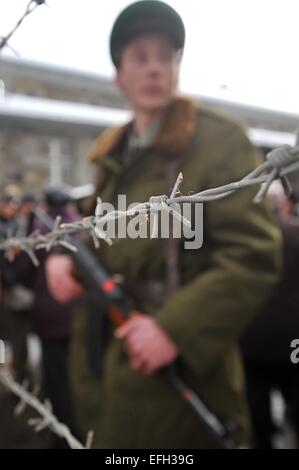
{"type": "Point", "coordinates": [118, 81]}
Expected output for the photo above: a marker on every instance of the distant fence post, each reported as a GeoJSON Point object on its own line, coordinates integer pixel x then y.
{"type": "Point", "coordinates": [2, 90]}
{"type": "Point", "coordinates": [2, 352]}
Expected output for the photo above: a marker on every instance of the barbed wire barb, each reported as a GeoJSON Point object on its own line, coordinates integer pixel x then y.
{"type": "Point", "coordinates": [47, 419]}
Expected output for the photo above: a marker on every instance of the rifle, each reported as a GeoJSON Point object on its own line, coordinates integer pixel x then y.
{"type": "Point", "coordinates": [119, 310]}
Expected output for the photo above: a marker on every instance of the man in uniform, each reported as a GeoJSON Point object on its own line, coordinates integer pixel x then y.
{"type": "Point", "coordinates": [194, 304]}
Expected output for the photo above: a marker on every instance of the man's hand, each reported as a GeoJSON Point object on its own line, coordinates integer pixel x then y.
{"type": "Point", "coordinates": [60, 279]}
{"type": "Point", "coordinates": [149, 348]}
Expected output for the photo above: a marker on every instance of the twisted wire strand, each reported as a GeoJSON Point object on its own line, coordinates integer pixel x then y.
{"type": "Point", "coordinates": [32, 5]}
{"type": "Point", "coordinates": [47, 418]}
{"type": "Point", "coordinates": [279, 163]}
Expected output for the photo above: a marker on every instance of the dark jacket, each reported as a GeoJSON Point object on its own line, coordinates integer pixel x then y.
{"type": "Point", "coordinates": [8, 228]}
{"type": "Point", "coordinates": [268, 338]}
{"type": "Point", "coordinates": [51, 319]}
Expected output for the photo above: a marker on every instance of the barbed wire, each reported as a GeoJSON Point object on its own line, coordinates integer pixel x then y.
{"type": "Point", "coordinates": [47, 419]}
{"type": "Point", "coordinates": [279, 163]}
{"type": "Point", "coordinates": [32, 5]}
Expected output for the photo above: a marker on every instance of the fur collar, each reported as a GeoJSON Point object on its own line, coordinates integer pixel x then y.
{"type": "Point", "coordinates": [177, 129]}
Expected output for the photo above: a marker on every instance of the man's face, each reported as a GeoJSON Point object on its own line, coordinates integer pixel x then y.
{"type": "Point", "coordinates": [148, 72]}
{"type": "Point", "coordinates": [26, 208]}
{"type": "Point", "coordinates": [8, 210]}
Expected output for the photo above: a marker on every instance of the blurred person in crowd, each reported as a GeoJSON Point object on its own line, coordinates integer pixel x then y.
{"type": "Point", "coordinates": [8, 210]}
{"type": "Point", "coordinates": [207, 296]}
{"type": "Point", "coordinates": [26, 216]}
{"type": "Point", "coordinates": [266, 343]}
{"type": "Point", "coordinates": [9, 203]}
{"type": "Point", "coordinates": [20, 298]}
{"type": "Point", "coordinates": [52, 321]}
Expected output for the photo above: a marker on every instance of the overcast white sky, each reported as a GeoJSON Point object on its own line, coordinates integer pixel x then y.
{"type": "Point", "coordinates": [243, 50]}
